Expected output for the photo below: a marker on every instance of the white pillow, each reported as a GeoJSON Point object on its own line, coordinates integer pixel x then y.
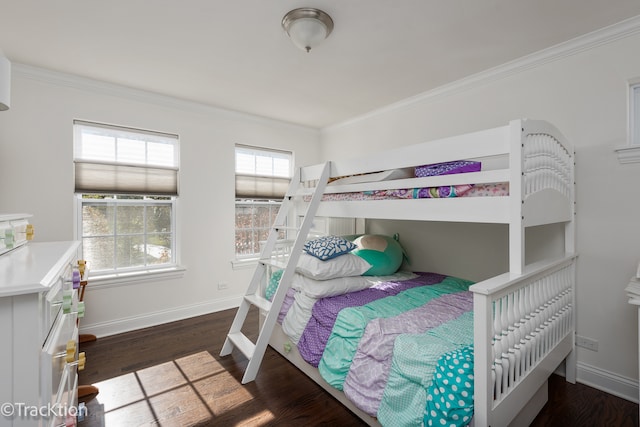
{"type": "Point", "coordinates": [331, 287]}
{"type": "Point", "coordinates": [346, 265]}
{"type": "Point", "coordinates": [387, 175]}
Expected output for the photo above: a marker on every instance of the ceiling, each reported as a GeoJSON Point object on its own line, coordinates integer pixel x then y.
{"type": "Point", "coordinates": [235, 55]}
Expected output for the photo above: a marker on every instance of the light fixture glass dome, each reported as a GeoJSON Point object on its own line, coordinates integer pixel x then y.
{"type": "Point", "coordinates": [307, 27]}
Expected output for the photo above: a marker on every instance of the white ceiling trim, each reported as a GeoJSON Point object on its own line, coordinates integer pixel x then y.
{"type": "Point", "coordinates": [577, 45]}
{"type": "Point", "coordinates": [57, 78]}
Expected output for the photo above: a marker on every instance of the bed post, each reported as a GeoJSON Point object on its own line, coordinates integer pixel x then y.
{"type": "Point", "coordinates": [516, 182]}
{"type": "Point", "coordinates": [571, 362]}
{"type": "Point", "coordinates": [483, 359]}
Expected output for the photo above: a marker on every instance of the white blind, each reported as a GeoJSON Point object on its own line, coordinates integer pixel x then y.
{"type": "Point", "coordinates": [262, 173]}
{"type": "Point", "coordinates": [118, 160]}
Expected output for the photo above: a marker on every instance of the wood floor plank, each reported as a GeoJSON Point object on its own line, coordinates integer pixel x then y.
{"type": "Point", "coordinates": [172, 375]}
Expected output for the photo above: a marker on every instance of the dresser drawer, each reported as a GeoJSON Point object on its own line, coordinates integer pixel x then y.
{"type": "Point", "coordinates": [59, 366]}
{"type": "Point", "coordinates": [65, 403]}
{"type": "Point", "coordinates": [53, 300]}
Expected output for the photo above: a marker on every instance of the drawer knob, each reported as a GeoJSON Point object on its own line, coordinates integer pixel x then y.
{"type": "Point", "coordinates": [67, 301]}
{"type": "Point", "coordinates": [80, 308]}
{"type": "Point", "coordinates": [82, 359]}
{"type": "Point", "coordinates": [71, 351]}
{"type": "Point", "coordinates": [8, 238]}
{"type": "Point", "coordinates": [29, 232]}
{"type": "Point", "coordinates": [82, 264]}
{"type": "Point", "coordinates": [75, 278]}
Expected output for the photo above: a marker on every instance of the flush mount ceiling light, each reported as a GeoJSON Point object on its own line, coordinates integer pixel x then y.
{"type": "Point", "coordinates": [307, 27]}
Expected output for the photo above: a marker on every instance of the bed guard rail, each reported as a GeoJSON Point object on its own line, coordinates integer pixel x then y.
{"type": "Point", "coordinates": [523, 328]}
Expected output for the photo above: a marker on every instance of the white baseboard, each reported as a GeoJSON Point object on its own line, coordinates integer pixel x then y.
{"type": "Point", "coordinates": [617, 385]}
{"type": "Point", "coordinates": [146, 320]}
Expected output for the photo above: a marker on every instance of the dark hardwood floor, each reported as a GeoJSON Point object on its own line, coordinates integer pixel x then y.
{"type": "Point", "coordinates": [173, 375]}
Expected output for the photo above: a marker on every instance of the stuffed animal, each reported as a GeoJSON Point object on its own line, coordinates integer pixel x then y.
{"type": "Point", "coordinates": [384, 253]}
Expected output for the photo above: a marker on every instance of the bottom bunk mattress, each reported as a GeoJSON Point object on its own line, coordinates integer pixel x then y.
{"type": "Point", "coordinates": [400, 348]}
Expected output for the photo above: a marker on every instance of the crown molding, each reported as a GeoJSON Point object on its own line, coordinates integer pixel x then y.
{"type": "Point", "coordinates": [73, 81]}
{"type": "Point", "coordinates": [603, 36]}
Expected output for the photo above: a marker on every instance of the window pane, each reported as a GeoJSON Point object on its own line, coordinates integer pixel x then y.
{"type": "Point", "coordinates": [98, 251]}
{"type": "Point", "coordinates": [262, 236]}
{"type": "Point", "coordinates": [98, 147]}
{"type": "Point", "coordinates": [158, 219]}
{"type": "Point", "coordinates": [274, 212]}
{"type": "Point", "coordinates": [159, 249]}
{"type": "Point", "coordinates": [161, 154]}
{"type": "Point", "coordinates": [245, 163]}
{"type": "Point", "coordinates": [244, 216]}
{"type": "Point", "coordinates": [244, 242]}
{"type": "Point", "coordinates": [130, 251]}
{"type": "Point", "coordinates": [131, 151]}
{"type": "Point", "coordinates": [262, 217]}
{"type": "Point", "coordinates": [264, 165]}
{"type": "Point", "coordinates": [130, 219]}
{"type": "Point", "coordinates": [97, 220]}
{"type": "Point", "coordinates": [281, 167]}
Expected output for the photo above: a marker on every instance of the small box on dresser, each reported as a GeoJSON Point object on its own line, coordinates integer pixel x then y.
{"type": "Point", "coordinates": [38, 311]}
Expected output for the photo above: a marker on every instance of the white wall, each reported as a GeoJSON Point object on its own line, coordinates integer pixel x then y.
{"type": "Point", "coordinates": [36, 176]}
{"type": "Point", "coordinates": [584, 94]}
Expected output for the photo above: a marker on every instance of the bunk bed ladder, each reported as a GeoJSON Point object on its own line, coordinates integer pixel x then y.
{"type": "Point", "coordinates": [236, 338]}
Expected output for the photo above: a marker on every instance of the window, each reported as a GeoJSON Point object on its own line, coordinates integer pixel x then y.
{"type": "Point", "coordinates": [634, 114]}
{"type": "Point", "coordinates": [126, 185]}
{"type": "Point", "coordinates": [630, 153]}
{"type": "Point", "coordinates": [262, 179]}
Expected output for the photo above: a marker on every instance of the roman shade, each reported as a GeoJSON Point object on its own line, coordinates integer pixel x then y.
{"type": "Point", "coordinates": [262, 173]}
{"type": "Point", "coordinates": [117, 160]}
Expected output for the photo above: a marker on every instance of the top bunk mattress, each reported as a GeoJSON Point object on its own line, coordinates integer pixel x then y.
{"type": "Point", "coordinates": [390, 177]}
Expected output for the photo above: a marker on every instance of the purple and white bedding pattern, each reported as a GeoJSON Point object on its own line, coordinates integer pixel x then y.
{"type": "Point", "coordinates": [354, 338]}
{"type": "Point", "coordinates": [369, 371]}
{"type": "Point", "coordinates": [448, 168]}
{"type": "Point", "coordinates": [325, 311]}
{"type": "Point", "coordinates": [446, 191]}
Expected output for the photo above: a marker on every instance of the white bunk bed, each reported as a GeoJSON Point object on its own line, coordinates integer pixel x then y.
{"type": "Point", "coordinates": [524, 319]}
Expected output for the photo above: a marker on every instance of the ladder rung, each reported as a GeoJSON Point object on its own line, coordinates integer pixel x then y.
{"type": "Point", "coordinates": [283, 228]}
{"type": "Point", "coordinates": [274, 263]}
{"type": "Point", "coordinates": [242, 343]}
{"type": "Point", "coordinates": [305, 192]}
{"type": "Point", "coordinates": [258, 301]}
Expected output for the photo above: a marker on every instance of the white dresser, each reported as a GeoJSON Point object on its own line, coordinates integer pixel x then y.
{"type": "Point", "coordinates": [38, 318]}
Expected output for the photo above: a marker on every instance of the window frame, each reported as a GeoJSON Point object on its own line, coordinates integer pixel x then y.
{"type": "Point", "coordinates": [630, 152]}
{"type": "Point", "coordinates": [634, 113]}
{"type": "Point", "coordinates": [249, 259]}
{"type": "Point", "coordinates": [126, 274]}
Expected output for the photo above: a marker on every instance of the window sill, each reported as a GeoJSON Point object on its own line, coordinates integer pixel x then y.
{"type": "Point", "coordinates": [628, 154]}
{"type": "Point", "coordinates": [240, 264]}
{"type": "Point", "coordinates": [127, 279]}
